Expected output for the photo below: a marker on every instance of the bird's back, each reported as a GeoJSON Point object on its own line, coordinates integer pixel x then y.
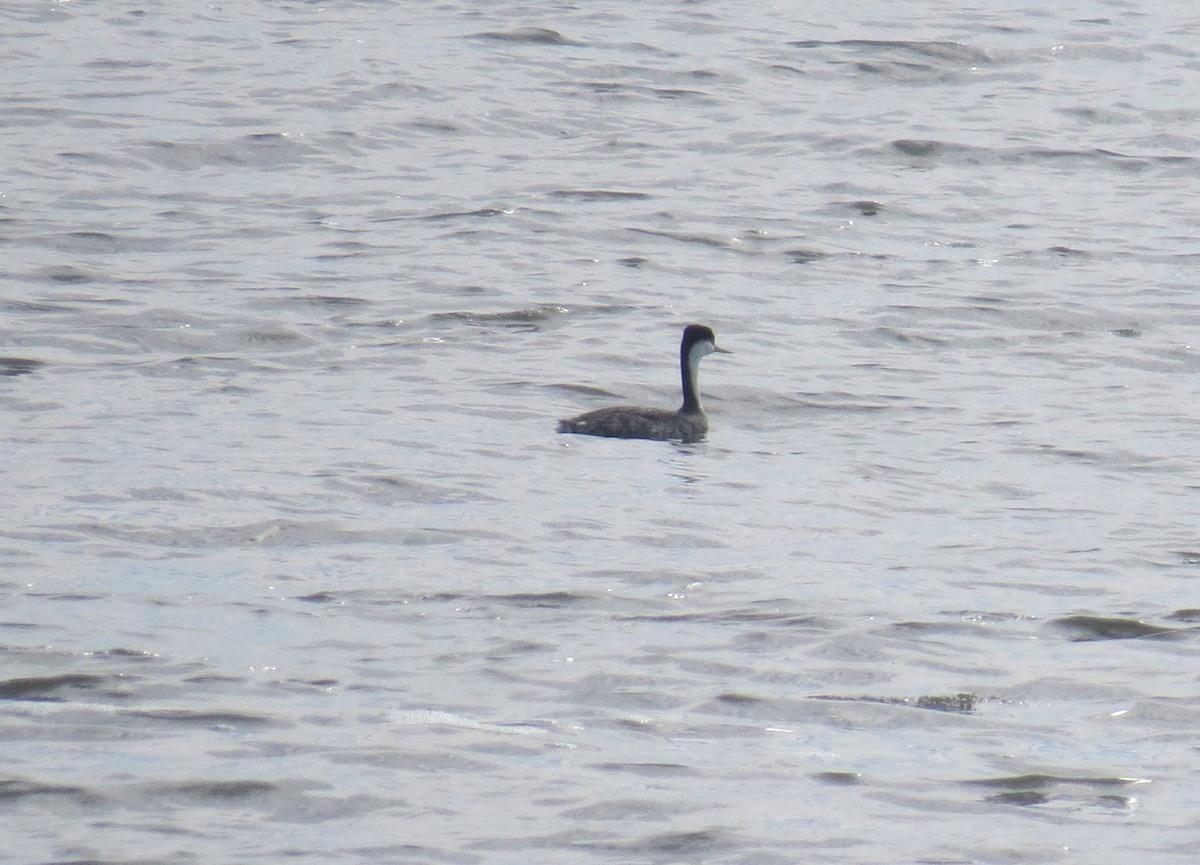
{"type": "Point", "coordinates": [634, 422]}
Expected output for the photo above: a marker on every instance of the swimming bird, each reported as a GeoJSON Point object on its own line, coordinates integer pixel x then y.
{"type": "Point", "coordinates": [634, 422]}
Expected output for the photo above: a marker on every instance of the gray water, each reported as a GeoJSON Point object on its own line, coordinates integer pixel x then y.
{"type": "Point", "coordinates": [294, 566]}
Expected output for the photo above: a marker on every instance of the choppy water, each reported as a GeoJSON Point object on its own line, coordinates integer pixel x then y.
{"type": "Point", "coordinates": [294, 567]}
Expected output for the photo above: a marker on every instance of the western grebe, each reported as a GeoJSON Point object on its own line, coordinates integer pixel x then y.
{"type": "Point", "coordinates": [633, 422]}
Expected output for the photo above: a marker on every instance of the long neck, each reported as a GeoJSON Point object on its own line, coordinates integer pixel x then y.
{"type": "Point", "coordinates": [689, 364]}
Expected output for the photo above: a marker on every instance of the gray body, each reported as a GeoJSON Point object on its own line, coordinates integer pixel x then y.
{"type": "Point", "coordinates": [634, 422]}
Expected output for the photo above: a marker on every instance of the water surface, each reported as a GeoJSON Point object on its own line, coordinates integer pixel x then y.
{"type": "Point", "coordinates": [295, 567]}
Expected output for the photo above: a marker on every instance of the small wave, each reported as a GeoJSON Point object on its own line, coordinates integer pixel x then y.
{"type": "Point", "coordinates": [437, 717]}
{"type": "Point", "coordinates": [192, 718]}
{"type": "Point", "coordinates": [623, 89]}
{"type": "Point", "coordinates": [944, 51]}
{"type": "Point", "coordinates": [1086, 628]}
{"type": "Point", "coordinates": [1043, 789]}
{"type": "Point", "coordinates": [600, 194]}
{"type": "Point", "coordinates": [709, 240]}
{"type": "Point", "coordinates": [67, 273]}
{"type": "Point", "coordinates": [649, 770]}
{"type": "Point", "coordinates": [221, 790]}
{"type": "Point", "coordinates": [12, 789]}
{"type": "Point", "coordinates": [947, 152]}
{"type": "Point", "coordinates": [269, 533]}
{"type": "Point", "coordinates": [900, 61]}
{"type": "Point", "coordinates": [46, 687]}
{"type": "Point", "coordinates": [689, 845]}
{"type": "Point", "coordinates": [963, 703]}
{"type": "Point", "coordinates": [1190, 616]}
{"type": "Point", "coordinates": [528, 36]}
{"type": "Point", "coordinates": [556, 600]}
{"type": "Point", "coordinates": [528, 319]}
{"type": "Point", "coordinates": [481, 213]}
{"type": "Point", "coordinates": [807, 256]}
{"type": "Point", "coordinates": [10, 366]}
{"type": "Point", "coordinates": [254, 150]}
